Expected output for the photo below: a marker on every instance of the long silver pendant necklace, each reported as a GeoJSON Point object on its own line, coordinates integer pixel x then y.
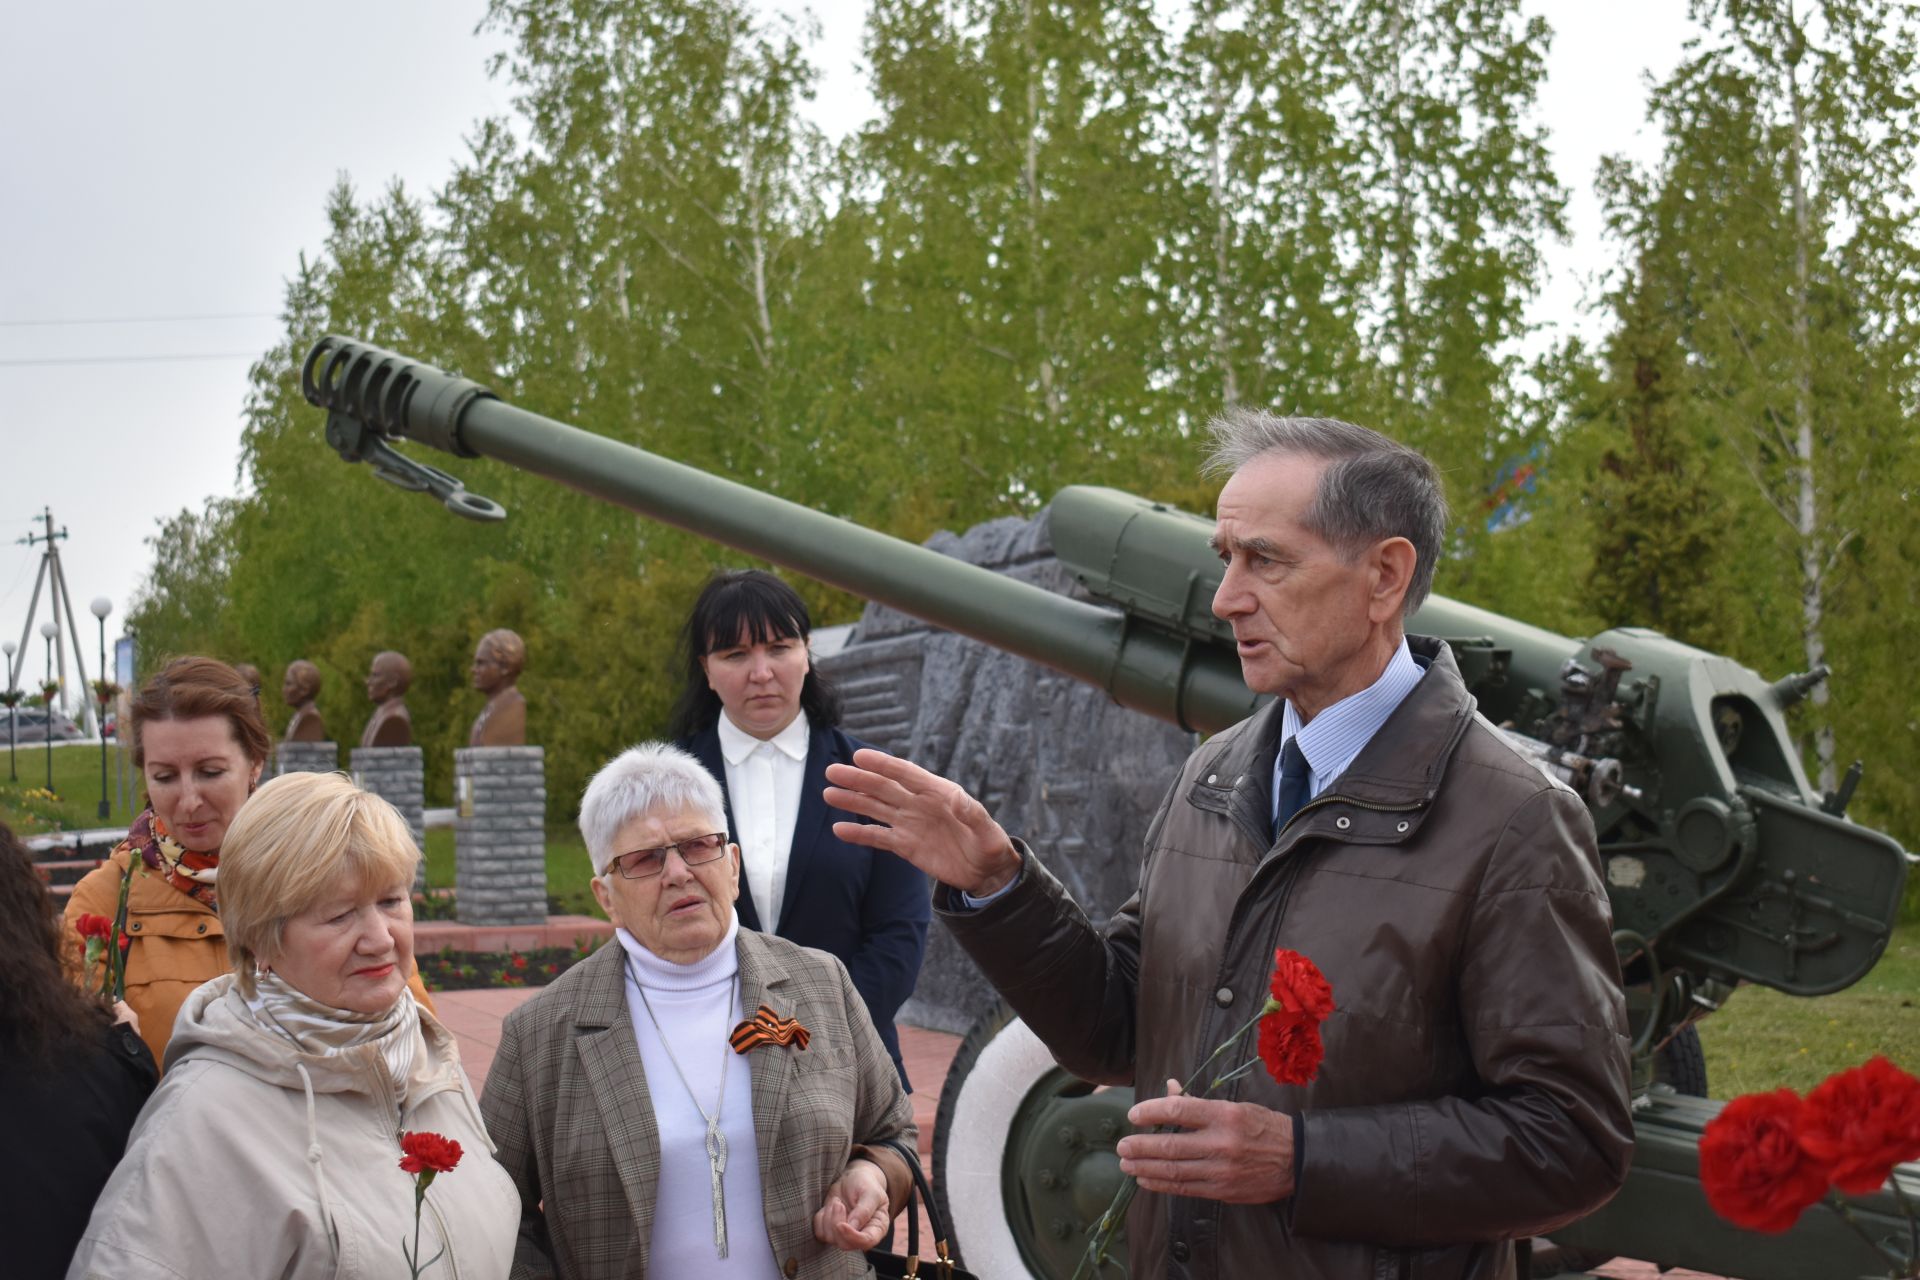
{"type": "Point", "coordinates": [716, 1140]}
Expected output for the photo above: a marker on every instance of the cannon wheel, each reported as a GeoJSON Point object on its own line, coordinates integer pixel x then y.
{"type": "Point", "coordinates": [1023, 1154]}
{"type": "Point", "coordinates": [1023, 1151]}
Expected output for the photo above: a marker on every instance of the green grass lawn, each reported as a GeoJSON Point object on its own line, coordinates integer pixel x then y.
{"type": "Point", "coordinates": [76, 780]}
{"type": "Point", "coordinates": [1763, 1039]}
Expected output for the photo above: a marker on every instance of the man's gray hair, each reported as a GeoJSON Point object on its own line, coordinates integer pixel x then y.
{"type": "Point", "coordinates": [1373, 488]}
{"type": "Point", "coordinates": [654, 777]}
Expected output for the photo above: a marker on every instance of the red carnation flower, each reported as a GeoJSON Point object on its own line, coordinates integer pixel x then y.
{"type": "Point", "coordinates": [1300, 1000]}
{"type": "Point", "coordinates": [91, 926]}
{"type": "Point", "coordinates": [519, 961]}
{"type": "Point", "coordinates": [1291, 1048]}
{"type": "Point", "coordinates": [1752, 1166]}
{"type": "Point", "coordinates": [1299, 987]}
{"type": "Point", "coordinates": [428, 1153]}
{"type": "Point", "coordinates": [1861, 1123]}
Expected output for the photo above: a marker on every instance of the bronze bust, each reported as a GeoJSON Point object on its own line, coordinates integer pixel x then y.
{"type": "Point", "coordinates": [387, 681]}
{"type": "Point", "coordinates": [497, 664]}
{"type": "Point", "coordinates": [300, 687]}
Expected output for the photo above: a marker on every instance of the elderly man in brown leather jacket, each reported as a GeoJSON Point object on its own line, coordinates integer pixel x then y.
{"type": "Point", "coordinates": [1475, 1086]}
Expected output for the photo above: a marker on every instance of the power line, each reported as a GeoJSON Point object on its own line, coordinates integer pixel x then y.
{"type": "Point", "coordinates": [49, 324]}
{"type": "Point", "coordinates": [172, 359]}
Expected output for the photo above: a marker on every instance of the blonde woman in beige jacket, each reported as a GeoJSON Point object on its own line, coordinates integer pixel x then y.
{"type": "Point", "coordinates": [272, 1147]}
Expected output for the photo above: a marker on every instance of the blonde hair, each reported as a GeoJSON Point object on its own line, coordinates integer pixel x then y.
{"type": "Point", "coordinates": [290, 846]}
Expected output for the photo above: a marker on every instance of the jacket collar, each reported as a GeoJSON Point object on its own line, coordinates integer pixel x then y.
{"type": "Point", "coordinates": [1401, 766]}
{"type": "Point", "coordinates": [1405, 761]}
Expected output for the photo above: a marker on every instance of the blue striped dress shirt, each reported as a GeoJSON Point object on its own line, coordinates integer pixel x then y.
{"type": "Point", "coordinates": [1336, 735]}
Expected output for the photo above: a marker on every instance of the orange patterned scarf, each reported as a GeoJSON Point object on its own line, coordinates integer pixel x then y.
{"type": "Point", "coordinates": [191, 873]}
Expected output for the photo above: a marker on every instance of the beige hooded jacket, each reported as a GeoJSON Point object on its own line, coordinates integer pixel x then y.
{"type": "Point", "coordinates": [255, 1159]}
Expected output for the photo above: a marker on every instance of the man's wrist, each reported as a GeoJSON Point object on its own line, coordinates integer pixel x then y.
{"type": "Point", "coordinates": [999, 882]}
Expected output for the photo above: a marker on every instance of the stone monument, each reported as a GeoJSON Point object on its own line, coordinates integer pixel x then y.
{"type": "Point", "coordinates": [1056, 761]}
{"type": "Point", "coordinates": [500, 798]}
{"type": "Point", "coordinates": [398, 775]}
{"type": "Point", "coordinates": [305, 748]}
{"type": "Point", "coordinates": [387, 682]}
{"type": "Point", "coordinates": [500, 834]}
{"type": "Point", "coordinates": [497, 663]}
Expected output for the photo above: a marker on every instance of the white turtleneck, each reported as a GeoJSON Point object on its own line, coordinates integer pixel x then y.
{"type": "Point", "coordinates": [697, 1006]}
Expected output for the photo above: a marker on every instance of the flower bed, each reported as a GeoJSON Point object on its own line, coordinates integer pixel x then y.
{"type": "Point", "coordinates": [450, 970]}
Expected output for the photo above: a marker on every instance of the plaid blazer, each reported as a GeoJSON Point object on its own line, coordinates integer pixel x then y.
{"type": "Point", "coordinates": [567, 1106]}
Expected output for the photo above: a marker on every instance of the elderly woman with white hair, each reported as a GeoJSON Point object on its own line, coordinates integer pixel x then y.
{"type": "Point", "coordinates": [274, 1145]}
{"type": "Point", "coordinates": [699, 1099]}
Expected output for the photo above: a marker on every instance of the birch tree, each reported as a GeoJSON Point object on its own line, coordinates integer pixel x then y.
{"type": "Point", "coordinates": [1016, 189]}
{"type": "Point", "coordinates": [1782, 205]}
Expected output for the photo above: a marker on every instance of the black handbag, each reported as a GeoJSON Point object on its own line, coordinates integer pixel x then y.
{"type": "Point", "coordinates": [911, 1265]}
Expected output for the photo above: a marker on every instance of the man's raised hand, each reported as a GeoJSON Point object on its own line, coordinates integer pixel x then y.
{"type": "Point", "coordinates": [922, 817]}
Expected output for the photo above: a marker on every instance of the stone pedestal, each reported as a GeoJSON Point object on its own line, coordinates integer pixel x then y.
{"type": "Point", "coordinates": [499, 826]}
{"type": "Point", "coordinates": [398, 775]}
{"type": "Point", "coordinates": [306, 757]}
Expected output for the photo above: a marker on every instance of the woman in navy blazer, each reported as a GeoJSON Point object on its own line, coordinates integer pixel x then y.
{"type": "Point", "coordinates": [745, 646]}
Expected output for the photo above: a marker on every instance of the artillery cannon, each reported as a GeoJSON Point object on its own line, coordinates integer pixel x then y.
{"type": "Point", "coordinates": [1722, 863]}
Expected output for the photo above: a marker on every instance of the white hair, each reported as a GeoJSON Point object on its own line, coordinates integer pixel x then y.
{"type": "Point", "coordinates": [654, 777]}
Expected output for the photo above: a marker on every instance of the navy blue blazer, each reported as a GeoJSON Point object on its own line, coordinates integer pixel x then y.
{"type": "Point", "coordinates": [866, 906]}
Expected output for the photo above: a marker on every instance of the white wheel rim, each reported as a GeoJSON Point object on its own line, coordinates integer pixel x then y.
{"type": "Point", "coordinates": [999, 1082]}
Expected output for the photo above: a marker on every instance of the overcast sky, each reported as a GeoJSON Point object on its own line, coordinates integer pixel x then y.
{"type": "Point", "coordinates": [166, 165]}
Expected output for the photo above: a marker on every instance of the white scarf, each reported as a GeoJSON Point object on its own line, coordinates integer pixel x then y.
{"type": "Point", "coordinates": [322, 1031]}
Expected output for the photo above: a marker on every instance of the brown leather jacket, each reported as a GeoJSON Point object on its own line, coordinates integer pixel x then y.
{"type": "Point", "coordinates": [1475, 1087]}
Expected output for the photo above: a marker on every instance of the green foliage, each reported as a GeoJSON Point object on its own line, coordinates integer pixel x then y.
{"type": "Point", "coordinates": [1070, 234]}
{"type": "Point", "coordinates": [1776, 253]}
{"type": "Point", "coordinates": [1659, 537]}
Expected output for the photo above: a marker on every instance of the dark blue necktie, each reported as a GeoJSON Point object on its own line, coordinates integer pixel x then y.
{"type": "Point", "coordinates": [1293, 783]}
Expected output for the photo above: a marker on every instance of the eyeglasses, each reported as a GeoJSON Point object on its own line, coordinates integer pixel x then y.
{"type": "Point", "coordinates": [644, 864]}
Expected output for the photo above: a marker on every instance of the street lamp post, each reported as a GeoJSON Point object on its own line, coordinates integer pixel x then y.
{"type": "Point", "coordinates": [13, 712]}
{"type": "Point", "coordinates": [101, 608]}
{"type": "Point", "coordinates": [47, 632]}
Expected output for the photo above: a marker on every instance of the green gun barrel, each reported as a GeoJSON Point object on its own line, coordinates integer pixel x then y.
{"type": "Point", "coordinates": [1144, 667]}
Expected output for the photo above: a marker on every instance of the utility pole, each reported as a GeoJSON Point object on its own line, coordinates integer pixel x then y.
{"type": "Point", "coordinates": [59, 599]}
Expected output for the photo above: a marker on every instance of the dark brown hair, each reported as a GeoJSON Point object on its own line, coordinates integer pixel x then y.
{"type": "Point", "coordinates": [188, 688]}
{"type": "Point", "coordinates": [42, 1010]}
